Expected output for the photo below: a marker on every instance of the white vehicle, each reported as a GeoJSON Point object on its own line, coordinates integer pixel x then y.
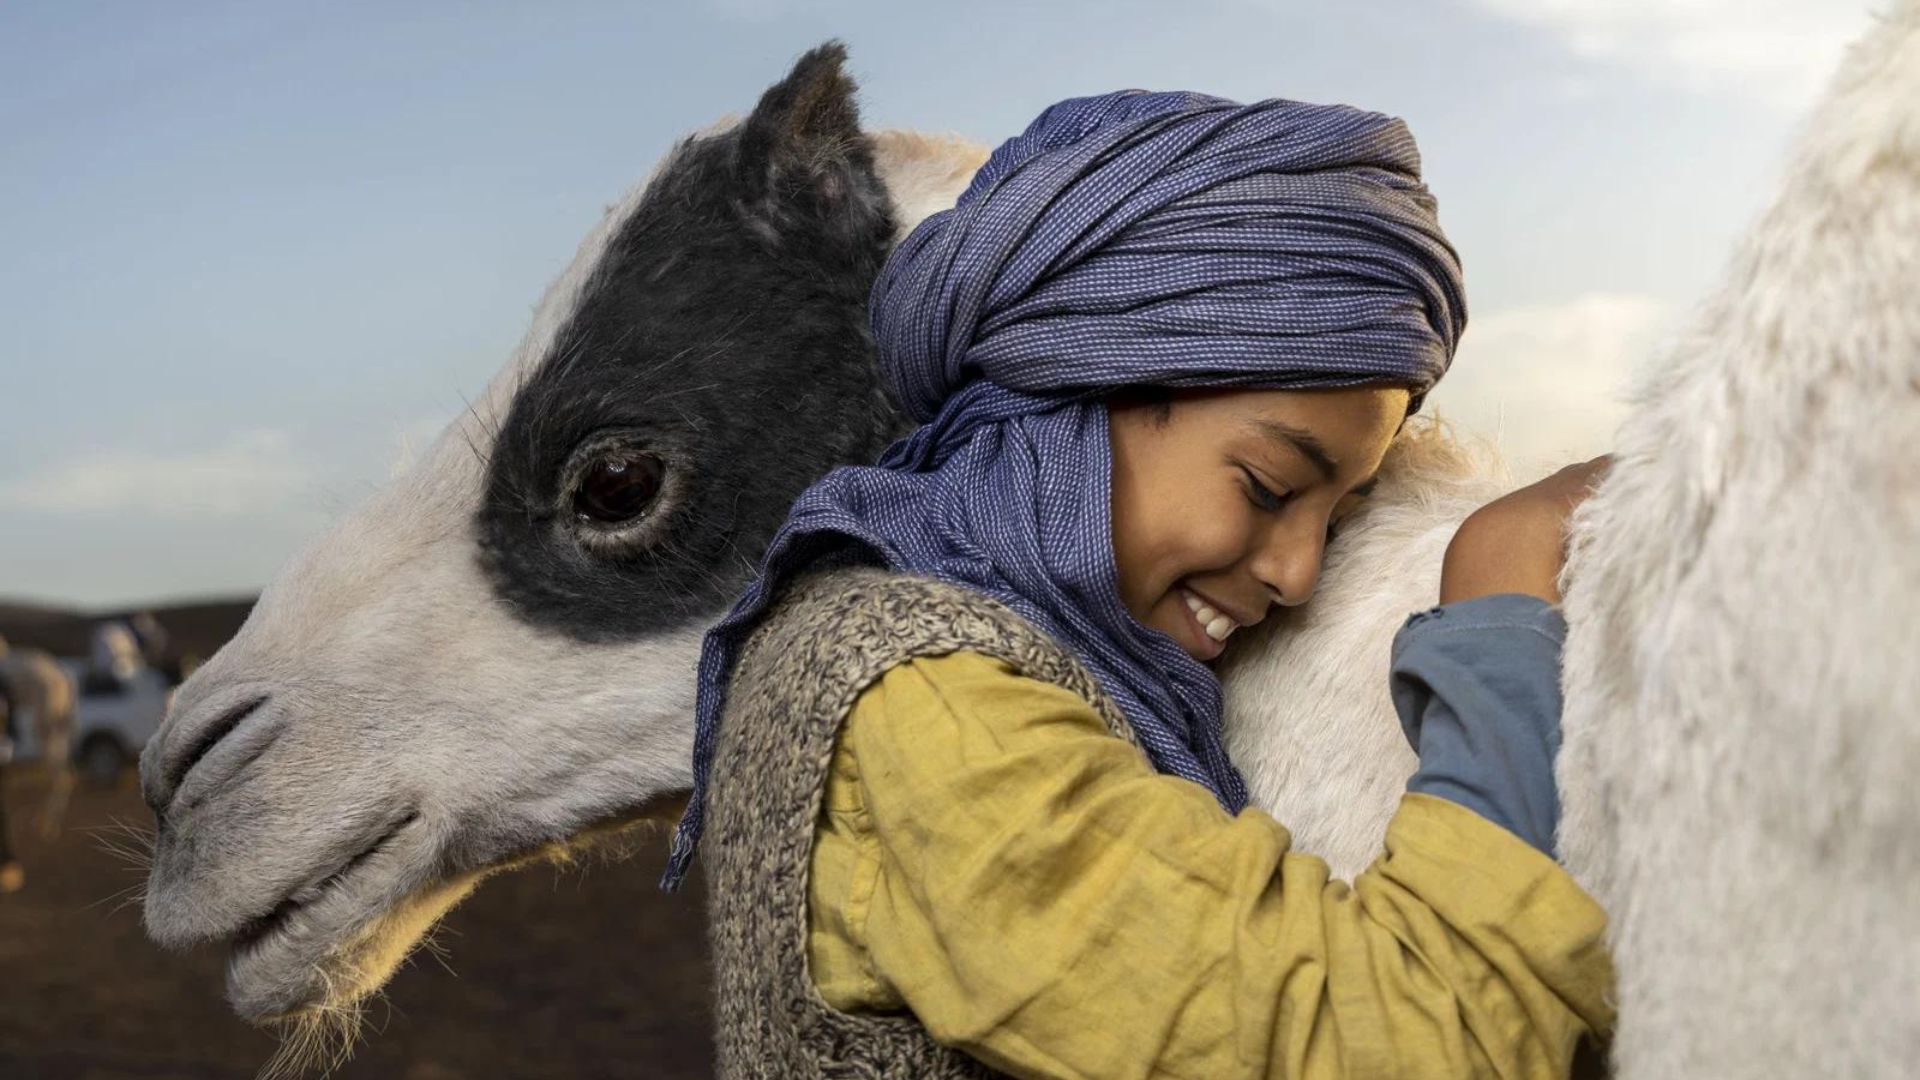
{"type": "Point", "coordinates": [114, 719]}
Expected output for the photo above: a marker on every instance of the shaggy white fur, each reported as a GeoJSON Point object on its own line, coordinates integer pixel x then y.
{"type": "Point", "coordinates": [1741, 772]}
{"type": "Point", "coordinates": [924, 174]}
{"type": "Point", "coordinates": [1741, 767]}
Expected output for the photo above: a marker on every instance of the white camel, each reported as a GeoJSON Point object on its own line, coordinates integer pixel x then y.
{"type": "Point", "coordinates": [1741, 768]}
{"type": "Point", "coordinates": [494, 656]}
{"type": "Point", "coordinates": [1741, 763]}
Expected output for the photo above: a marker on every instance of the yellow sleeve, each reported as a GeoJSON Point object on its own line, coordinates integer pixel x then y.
{"type": "Point", "coordinates": [991, 858]}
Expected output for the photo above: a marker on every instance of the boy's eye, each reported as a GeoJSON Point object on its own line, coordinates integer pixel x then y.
{"type": "Point", "coordinates": [1260, 494]}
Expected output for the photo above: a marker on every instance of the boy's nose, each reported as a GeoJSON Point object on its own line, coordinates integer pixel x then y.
{"type": "Point", "coordinates": [1290, 569]}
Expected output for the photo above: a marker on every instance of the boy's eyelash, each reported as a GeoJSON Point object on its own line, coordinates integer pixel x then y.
{"type": "Point", "coordinates": [1261, 495]}
{"type": "Point", "coordinates": [1266, 499]}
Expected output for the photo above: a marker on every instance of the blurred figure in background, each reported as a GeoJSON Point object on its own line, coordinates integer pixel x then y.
{"type": "Point", "coordinates": [151, 638]}
{"type": "Point", "coordinates": [114, 658]}
{"type": "Point", "coordinates": [11, 876]}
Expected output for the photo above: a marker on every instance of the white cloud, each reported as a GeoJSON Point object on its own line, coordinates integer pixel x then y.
{"type": "Point", "coordinates": [1546, 382]}
{"type": "Point", "coordinates": [1776, 51]}
{"type": "Point", "coordinates": [249, 472]}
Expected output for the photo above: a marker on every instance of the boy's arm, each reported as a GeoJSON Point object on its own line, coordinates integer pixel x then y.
{"type": "Point", "coordinates": [1044, 900]}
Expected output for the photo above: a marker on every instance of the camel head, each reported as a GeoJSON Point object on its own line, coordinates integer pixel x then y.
{"type": "Point", "coordinates": [495, 654]}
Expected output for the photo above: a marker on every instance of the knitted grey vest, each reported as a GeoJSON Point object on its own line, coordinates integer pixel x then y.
{"type": "Point", "coordinates": [830, 637]}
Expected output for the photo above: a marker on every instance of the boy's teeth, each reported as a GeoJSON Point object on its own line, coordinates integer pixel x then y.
{"type": "Point", "coordinates": [1218, 626]}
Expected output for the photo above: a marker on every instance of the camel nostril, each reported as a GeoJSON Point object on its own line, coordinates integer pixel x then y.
{"type": "Point", "coordinates": [209, 737]}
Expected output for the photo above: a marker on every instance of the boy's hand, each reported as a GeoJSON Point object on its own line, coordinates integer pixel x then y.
{"type": "Point", "coordinates": [1518, 542]}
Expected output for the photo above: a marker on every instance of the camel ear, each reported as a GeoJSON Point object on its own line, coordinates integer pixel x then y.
{"type": "Point", "coordinates": [810, 109]}
{"type": "Point", "coordinates": [802, 151]}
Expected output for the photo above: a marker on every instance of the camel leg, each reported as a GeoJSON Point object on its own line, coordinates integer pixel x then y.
{"type": "Point", "coordinates": [57, 737]}
{"type": "Point", "coordinates": [53, 812]}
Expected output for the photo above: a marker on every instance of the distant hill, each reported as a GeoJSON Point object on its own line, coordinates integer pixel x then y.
{"type": "Point", "coordinates": [196, 629]}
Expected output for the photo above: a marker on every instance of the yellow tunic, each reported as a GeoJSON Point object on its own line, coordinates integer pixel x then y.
{"type": "Point", "coordinates": [991, 858]}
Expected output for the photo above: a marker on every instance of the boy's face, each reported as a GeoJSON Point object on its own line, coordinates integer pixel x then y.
{"type": "Point", "coordinates": [1222, 500]}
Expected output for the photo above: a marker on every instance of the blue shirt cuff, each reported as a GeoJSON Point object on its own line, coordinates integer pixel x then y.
{"type": "Point", "coordinates": [1476, 684]}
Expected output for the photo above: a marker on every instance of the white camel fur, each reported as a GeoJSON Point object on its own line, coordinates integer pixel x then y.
{"type": "Point", "coordinates": [1741, 765]}
{"type": "Point", "coordinates": [1740, 774]}
{"type": "Point", "coordinates": [383, 640]}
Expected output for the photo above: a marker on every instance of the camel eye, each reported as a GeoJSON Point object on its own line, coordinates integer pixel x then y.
{"type": "Point", "coordinates": [618, 487]}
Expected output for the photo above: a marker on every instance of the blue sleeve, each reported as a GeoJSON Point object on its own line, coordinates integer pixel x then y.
{"type": "Point", "coordinates": [1477, 687]}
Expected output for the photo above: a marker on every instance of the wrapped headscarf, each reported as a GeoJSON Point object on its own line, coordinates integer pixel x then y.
{"type": "Point", "coordinates": [1131, 239]}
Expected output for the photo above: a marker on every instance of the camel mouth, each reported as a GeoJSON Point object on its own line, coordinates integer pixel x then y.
{"type": "Point", "coordinates": [291, 958]}
{"type": "Point", "coordinates": [327, 945]}
{"type": "Point", "coordinates": [277, 921]}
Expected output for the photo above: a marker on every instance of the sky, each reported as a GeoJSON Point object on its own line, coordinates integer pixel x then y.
{"type": "Point", "coordinates": [252, 252]}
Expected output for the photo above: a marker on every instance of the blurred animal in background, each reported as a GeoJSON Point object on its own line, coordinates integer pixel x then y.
{"type": "Point", "coordinates": [39, 703]}
{"type": "Point", "coordinates": [494, 657]}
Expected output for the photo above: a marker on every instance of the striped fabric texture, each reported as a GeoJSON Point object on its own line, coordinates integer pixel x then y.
{"type": "Point", "coordinates": [1130, 239]}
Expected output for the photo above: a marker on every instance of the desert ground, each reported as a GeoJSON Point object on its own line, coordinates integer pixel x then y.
{"type": "Point", "coordinates": [585, 972]}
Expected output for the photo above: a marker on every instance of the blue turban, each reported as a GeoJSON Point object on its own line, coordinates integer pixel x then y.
{"type": "Point", "coordinates": [1173, 240]}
